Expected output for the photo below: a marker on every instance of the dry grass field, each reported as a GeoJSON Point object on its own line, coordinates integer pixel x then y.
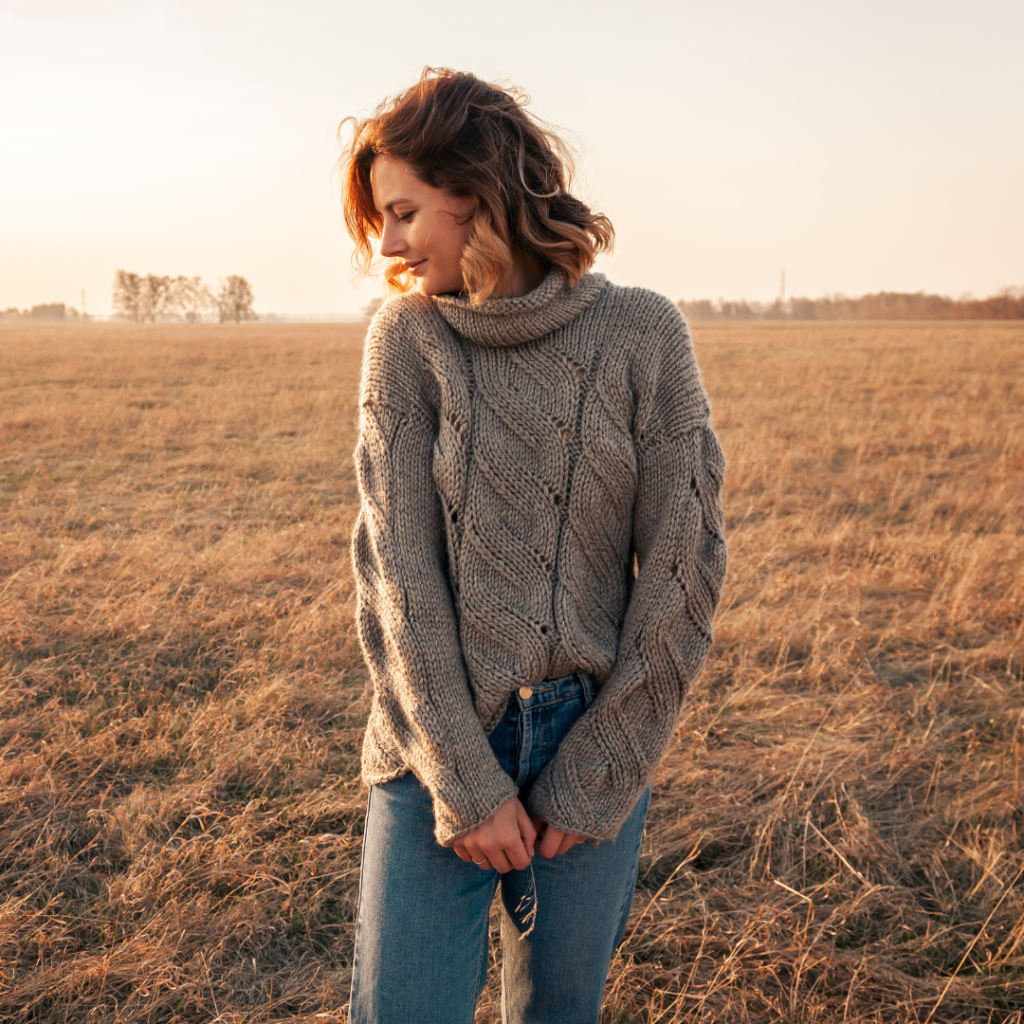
{"type": "Point", "coordinates": [836, 835]}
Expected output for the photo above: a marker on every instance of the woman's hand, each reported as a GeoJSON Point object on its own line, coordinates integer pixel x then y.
{"type": "Point", "coordinates": [554, 841]}
{"type": "Point", "coordinates": [503, 842]}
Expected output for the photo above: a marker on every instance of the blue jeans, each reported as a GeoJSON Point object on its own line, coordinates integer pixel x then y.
{"type": "Point", "coordinates": [421, 928]}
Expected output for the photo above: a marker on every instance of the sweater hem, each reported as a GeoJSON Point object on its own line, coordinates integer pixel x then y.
{"type": "Point", "coordinates": [445, 834]}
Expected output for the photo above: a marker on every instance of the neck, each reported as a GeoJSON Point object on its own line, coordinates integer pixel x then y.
{"type": "Point", "coordinates": [526, 275]}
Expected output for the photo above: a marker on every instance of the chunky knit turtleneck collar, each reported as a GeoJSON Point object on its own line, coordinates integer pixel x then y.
{"type": "Point", "coordinates": [511, 320]}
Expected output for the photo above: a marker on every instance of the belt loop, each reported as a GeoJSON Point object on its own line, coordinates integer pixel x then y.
{"type": "Point", "coordinates": [588, 688]}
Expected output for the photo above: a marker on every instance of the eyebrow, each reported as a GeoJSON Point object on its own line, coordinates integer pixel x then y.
{"type": "Point", "coordinates": [394, 202]}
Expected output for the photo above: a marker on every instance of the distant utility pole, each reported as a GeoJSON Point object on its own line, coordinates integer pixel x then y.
{"type": "Point", "coordinates": [782, 288]}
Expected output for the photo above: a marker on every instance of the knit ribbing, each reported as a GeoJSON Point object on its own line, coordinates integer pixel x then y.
{"type": "Point", "coordinates": [511, 320]}
{"type": "Point", "coordinates": [513, 459]}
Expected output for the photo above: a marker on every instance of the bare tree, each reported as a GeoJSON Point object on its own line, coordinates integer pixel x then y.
{"type": "Point", "coordinates": [152, 297]}
{"type": "Point", "coordinates": [190, 298]}
{"type": "Point", "coordinates": [141, 298]}
{"type": "Point", "coordinates": [371, 307]}
{"type": "Point", "coordinates": [155, 296]}
{"type": "Point", "coordinates": [128, 295]}
{"type": "Point", "coordinates": [234, 301]}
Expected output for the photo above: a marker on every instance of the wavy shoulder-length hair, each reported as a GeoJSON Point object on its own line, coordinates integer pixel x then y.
{"type": "Point", "coordinates": [475, 139]}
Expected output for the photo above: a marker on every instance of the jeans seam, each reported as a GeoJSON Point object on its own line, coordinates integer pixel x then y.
{"type": "Point", "coordinates": [486, 941]}
{"type": "Point", "coordinates": [631, 890]}
{"type": "Point", "coordinates": [635, 873]}
{"type": "Point", "coordinates": [524, 746]}
{"type": "Point", "coordinates": [359, 901]}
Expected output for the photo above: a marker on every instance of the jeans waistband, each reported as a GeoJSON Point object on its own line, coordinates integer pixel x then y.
{"type": "Point", "coordinates": [557, 688]}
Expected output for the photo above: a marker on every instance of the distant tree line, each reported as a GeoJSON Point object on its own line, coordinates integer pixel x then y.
{"type": "Point", "coordinates": [47, 312]}
{"type": "Point", "coordinates": [1007, 305]}
{"type": "Point", "coordinates": [149, 298]}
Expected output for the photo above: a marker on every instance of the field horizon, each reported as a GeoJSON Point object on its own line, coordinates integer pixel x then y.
{"type": "Point", "coordinates": [836, 834]}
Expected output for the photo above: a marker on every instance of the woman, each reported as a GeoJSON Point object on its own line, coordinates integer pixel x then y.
{"type": "Point", "coordinates": [538, 555]}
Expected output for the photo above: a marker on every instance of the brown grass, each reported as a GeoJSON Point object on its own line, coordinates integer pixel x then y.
{"type": "Point", "coordinates": [837, 834]}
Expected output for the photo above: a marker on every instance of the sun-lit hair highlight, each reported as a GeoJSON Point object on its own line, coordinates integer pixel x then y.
{"type": "Point", "coordinates": [475, 139]}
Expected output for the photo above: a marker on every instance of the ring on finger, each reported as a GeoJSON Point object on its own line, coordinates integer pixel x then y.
{"type": "Point", "coordinates": [479, 862]}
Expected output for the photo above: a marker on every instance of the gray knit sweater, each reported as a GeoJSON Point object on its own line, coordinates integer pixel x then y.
{"type": "Point", "coordinates": [512, 460]}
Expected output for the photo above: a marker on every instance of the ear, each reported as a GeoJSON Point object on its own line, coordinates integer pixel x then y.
{"type": "Point", "coordinates": [468, 208]}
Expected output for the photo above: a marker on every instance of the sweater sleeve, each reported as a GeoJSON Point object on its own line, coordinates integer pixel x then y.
{"type": "Point", "coordinates": [422, 716]}
{"type": "Point", "coordinates": [606, 760]}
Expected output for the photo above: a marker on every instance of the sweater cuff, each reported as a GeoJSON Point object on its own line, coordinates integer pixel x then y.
{"type": "Point", "coordinates": [559, 798]}
{"type": "Point", "coordinates": [460, 804]}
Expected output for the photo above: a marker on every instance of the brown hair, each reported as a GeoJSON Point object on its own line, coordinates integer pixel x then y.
{"type": "Point", "coordinates": [472, 138]}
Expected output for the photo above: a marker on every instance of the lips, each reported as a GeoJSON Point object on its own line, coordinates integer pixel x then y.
{"type": "Point", "coordinates": [414, 266]}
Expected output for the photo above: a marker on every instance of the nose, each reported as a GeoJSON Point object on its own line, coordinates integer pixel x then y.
{"type": "Point", "coordinates": [391, 242]}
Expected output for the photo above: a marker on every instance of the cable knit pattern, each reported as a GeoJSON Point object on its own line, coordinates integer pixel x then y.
{"type": "Point", "coordinates": [514, 461]}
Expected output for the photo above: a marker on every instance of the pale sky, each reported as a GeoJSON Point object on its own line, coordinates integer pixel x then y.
{"type": "Point", "coordinates": [859, 146]}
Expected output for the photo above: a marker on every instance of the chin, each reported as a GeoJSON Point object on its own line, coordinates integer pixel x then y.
{"type": "Point", "coordinates": [426, 286]}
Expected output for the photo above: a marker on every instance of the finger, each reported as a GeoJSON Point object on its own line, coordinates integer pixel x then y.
{"type": "Point", "coordinates": [473, 851]}
{"type": "Point", "coordinates": [540, 825]}
{"type": "Point", "coordinates": [500, 862]}
{"type": "Point", "coordinates": [517, 855]}
{"type": "Point", "coordinates": [476, 855]}
{"type": "Point", "coordinates": [527, 831]}
{"type": "Point", "coordinates": [567, 843]}
{"type": "Point", "coordinates": [550, 841]}
{"type": "Point", "coordinates": [460, 849]}
{"type": "Point", "coordinates": [508, 851]}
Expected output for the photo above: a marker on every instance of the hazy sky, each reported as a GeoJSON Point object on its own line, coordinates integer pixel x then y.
{"type": "Point", "coordinates": [867, 146]}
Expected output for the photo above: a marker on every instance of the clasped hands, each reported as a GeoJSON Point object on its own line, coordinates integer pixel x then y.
{"type": "Point", "coordinates": [509, 838]}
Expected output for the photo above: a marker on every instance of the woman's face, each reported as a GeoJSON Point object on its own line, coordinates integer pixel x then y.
{"type": "Point", "coordinates": [424, 226]}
